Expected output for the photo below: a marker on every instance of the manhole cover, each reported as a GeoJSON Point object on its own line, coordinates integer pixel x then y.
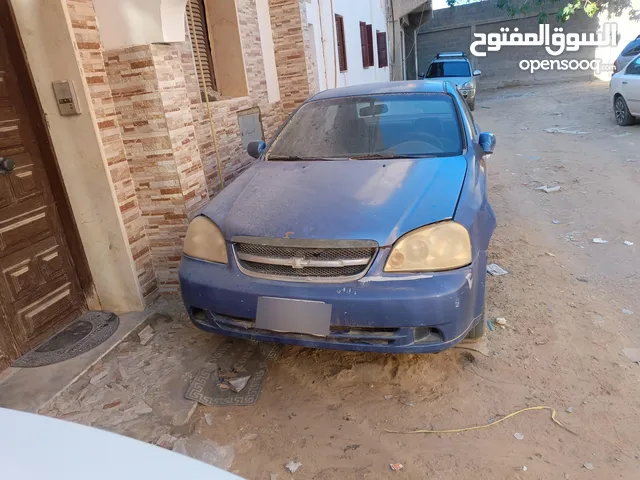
{"type": "Point", "coordinates": [86, 332]}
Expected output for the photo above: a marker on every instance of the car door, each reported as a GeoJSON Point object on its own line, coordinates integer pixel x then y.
{"type": "Point", "coordinates": [630, 86]}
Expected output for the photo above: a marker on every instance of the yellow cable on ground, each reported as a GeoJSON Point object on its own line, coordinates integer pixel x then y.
{"type": "Point", "coordinates": [478, 427]}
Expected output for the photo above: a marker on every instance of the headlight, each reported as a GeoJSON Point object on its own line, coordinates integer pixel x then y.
{"type": "Point", "coordinates": [467, 86]}
{"type": "Point", "coordinates": [437, 247]}
{"type": "Point", "coordinates": [204, 240]}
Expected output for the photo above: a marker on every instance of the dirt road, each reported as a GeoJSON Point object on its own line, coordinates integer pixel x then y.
{"type": "Point", "coordinates": [562, 347]}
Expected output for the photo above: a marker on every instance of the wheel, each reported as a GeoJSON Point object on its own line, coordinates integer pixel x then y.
{"type": "Point", "coordinates": [478, 331]}
{"type": "Point", "coordinates": [472, 106]}
{"type": "Point", "coordinates": [621, 111]}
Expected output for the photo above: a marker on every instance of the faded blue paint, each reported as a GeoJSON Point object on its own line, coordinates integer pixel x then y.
{"type": "Point", "coordinates": [365, 199]}
{"type": "Point", "coordinates": [377, 200]}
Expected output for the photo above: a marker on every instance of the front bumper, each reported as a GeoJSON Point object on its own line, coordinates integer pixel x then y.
{"type": "Point", "coordinates": [379, 313]}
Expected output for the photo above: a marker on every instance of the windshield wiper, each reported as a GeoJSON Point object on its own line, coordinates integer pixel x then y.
{"type": "Point", "coordinates": [296, 158]}
{"type": "Point", "coordinates": [376, 156]}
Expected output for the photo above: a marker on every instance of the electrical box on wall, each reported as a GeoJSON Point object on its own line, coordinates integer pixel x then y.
{"type": "Point", "coordinates": [66, 98]}
{"type": "Point", "coordinates": [250, 126]}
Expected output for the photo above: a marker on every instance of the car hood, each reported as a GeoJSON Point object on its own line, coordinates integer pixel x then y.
{"type": "Point", "coordinates": [353, 199]}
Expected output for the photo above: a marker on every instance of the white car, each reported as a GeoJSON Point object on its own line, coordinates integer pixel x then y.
{"type": "Point", "coordinates": [33, 446]}
{"type": "Point", "coordinates": [625, 89]}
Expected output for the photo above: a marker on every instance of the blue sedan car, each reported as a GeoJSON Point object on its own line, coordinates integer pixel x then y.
{"type": "Point", "coordinates": [364, 226]}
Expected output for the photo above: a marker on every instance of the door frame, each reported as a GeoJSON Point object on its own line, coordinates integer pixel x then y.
{"type": "Point", "coordinates": [49, 161]}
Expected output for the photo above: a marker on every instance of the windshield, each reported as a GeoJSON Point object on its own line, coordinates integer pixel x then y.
{"type": "Point", "coordinates": [449, 69]}
{"type": "Point", "coordinates": [375, 126]}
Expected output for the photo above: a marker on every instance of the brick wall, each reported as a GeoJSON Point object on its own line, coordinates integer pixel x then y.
{"type": "Point", "coordinates": [157, 131]}
{"type": "Point", "coordinates": [306, 41]}
{"type": "Point", "coordinates": [452, 29]}
{"type": "Point", "coordinates": [234, 159]}
{"type": "Point", "coordinates": [175, 99]}
{"type": "Point", "coordinates": [157, 128]}
{"type": "Point", "coordinates": [89, 47]}
{"type": "Point", "coordinates": [291, 43]}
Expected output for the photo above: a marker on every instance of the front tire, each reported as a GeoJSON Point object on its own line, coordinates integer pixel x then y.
{"type": "Point", "coordinates": [478, 331]}
{"type": "Point", "coordinates": [621, 112]}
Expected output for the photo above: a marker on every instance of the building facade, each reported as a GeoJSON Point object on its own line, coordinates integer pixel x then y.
{"type": "Point", "coordinates": [349, 41]}
{"type": "Point", "coordinates": [119, 120]}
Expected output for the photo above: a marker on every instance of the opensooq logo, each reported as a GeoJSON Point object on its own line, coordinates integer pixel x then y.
{"type": "Point", "coordinates": [555, 43]}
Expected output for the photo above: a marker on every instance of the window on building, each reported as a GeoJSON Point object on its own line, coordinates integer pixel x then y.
{"type": "Point", "coordinates": [197, 23]}
{"type": "Point", "coordinates": [366, 42]}
{"type": "Point", "coordinates": [215, 39]}
{"type": "Point", "coordinates": [342, 48]}
{"type": "Point", "coordinates": [370, 45]}
{"type": "Point", "coordinates": [383, 58]}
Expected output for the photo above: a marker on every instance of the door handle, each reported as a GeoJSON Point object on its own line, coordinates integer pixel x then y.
{"type": "Point", "coordinates": [6, 165]}
{"type": "Point", "coordinates": [624, 83]}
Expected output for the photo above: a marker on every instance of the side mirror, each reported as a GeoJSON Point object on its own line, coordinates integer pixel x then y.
{"type": "Point", "coordinates": [255, 149]}
{"type": "Point", "coordinates": [487, 142]}
{"type": "Point", "coordinates": [477, 73]}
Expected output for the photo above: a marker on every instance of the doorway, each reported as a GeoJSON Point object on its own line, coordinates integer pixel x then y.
{"type": "Point", "coordinates": [42, 264]}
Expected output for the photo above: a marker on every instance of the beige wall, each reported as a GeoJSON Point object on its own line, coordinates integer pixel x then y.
{"type": "Point", "coordinates": [124, 23]}
{"type": "Point", "coordinates": [45, 31]}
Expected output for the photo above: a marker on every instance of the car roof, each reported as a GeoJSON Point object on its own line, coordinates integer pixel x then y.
{"type": "Point", "coordinates": [382, 88]}
{"type": "Point", "coordinates": [450, 59]}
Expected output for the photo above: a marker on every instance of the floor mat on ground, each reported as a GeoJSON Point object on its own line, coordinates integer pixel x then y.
{"type": "Point", "coordinates": [224, 381]}
{"type": "Point", "coordinates": [86, 332]}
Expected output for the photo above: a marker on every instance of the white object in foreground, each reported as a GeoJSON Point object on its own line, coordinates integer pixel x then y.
{"type": "Point", "coordinates": [565, 130]}
{"type": "Point", "coordinates": [599, 240]}
{"type": "Point", "coordinates": [547, 189]}
{"type": "Point", "coordinates": [293, 466]}
{"type": "Point", "coordinates": [496, 270]}
{"type": "Point", "coordinates": [68, 451]}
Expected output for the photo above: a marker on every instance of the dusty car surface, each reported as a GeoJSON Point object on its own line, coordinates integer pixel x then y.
{"type": "Point", "coordinates": [625, 90]}
{"type": "Point", "coordinates": [365, 226]}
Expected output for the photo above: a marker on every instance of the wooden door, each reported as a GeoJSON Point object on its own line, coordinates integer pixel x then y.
{"type": "Point", "coordinates": [39, 287]}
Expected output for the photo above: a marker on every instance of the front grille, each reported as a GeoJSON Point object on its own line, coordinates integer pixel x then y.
{"type": "Point", "coordinates": [283, 270]}
{"type": "Point", "coordinates": [294, 261]}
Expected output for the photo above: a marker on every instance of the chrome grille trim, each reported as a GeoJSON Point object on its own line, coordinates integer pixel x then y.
{"type": "Point", "coordinates": [302, 260]}
{"type": "Point", "coordinates": [304, 242]}
{"type": "Point", "coordinates": [299, 262]}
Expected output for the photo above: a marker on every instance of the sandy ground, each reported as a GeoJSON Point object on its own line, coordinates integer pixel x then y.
{"type": "Point", "coordinates": [562, 346]}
